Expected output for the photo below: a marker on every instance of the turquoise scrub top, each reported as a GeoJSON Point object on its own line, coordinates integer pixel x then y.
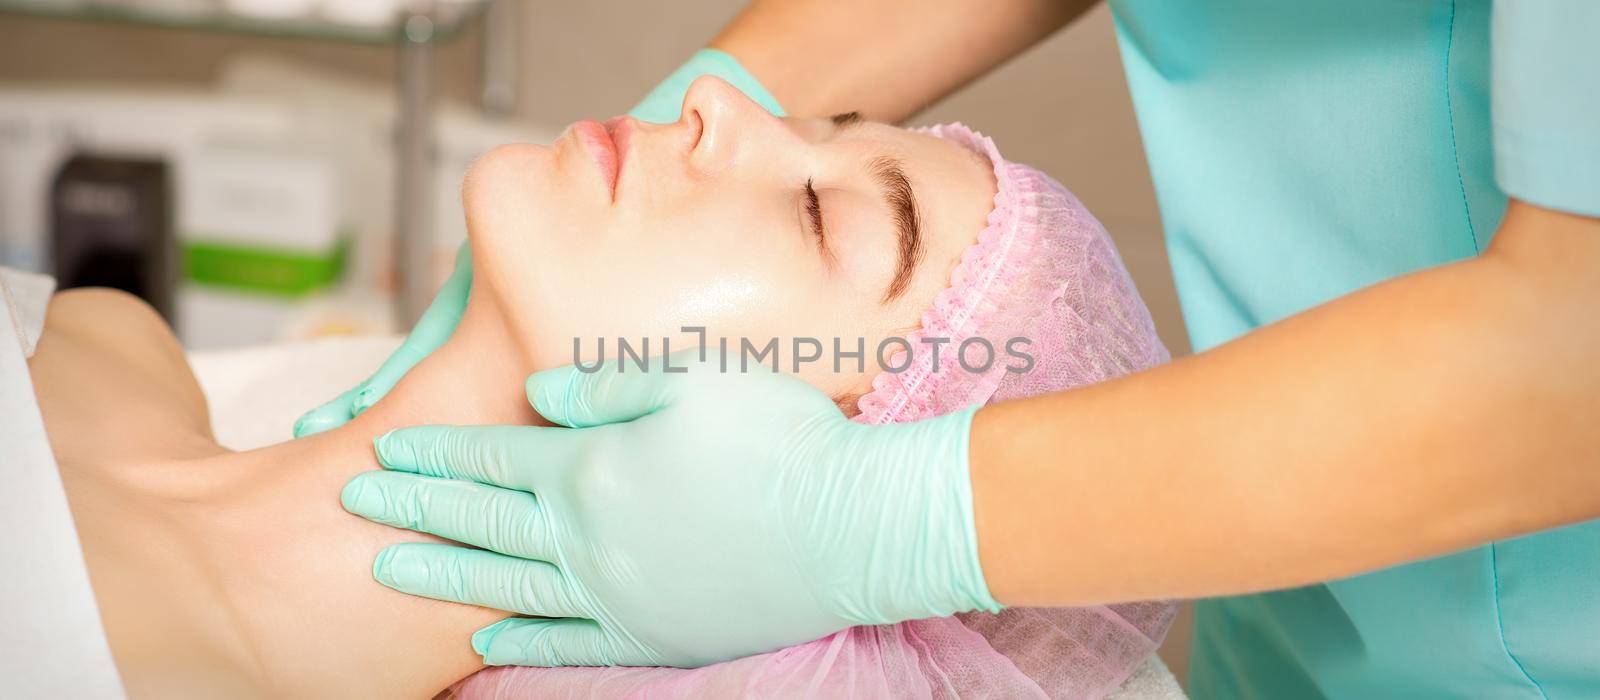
{"type": "Point", "coordinates": [1304, 149]}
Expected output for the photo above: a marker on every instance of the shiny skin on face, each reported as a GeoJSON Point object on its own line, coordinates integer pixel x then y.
{"type": "Point", "coordinates": [711, 224]}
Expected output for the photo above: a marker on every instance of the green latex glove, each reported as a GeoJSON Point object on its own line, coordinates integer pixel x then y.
{"type": "Point", "coordinates": [705, 516]}
{"type": "Point", "coordinates": [664, 103]}
{"type": "Point", "coordinates": [439, 321]}
{"type": "Point", "coordinates": [435, 326]}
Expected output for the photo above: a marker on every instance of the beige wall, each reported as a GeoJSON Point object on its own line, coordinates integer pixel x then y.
{"type": "Point", "coordinates": [1062, 107]}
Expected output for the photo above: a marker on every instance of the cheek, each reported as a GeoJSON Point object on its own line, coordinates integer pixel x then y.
{"type": "Point", "coordinates": [723, 257]}
{"type": "Point", "coordinates": [635, 303]}
{"type": "Point", "coordinates": [525, 229]}
{"type": "Point", "coordinates": [521, 197]}
{"type": "Point", "coordinates": [636, 281]}
{"type": "Point", "coordinates": [721, 284]}
{"type": "Point", "coordinates": [705, 260]}
{"type": "Point", "coordinates": [714, 300]}
{"type": "Point", "coordinates": [745, 266]}
{"type": "Point", "coordinates": [501, 199]}
{"type": "Point", "coordinates": [504, 179]}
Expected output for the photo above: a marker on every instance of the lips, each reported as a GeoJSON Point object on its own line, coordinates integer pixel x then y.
{"type": "Point", "coordinates": [621, 131]}
{"type": "Point", "coordinates": [607, 143]}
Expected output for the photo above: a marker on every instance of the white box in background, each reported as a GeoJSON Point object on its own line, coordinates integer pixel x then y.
{"type": "Point", "coordinates": [259, 232]}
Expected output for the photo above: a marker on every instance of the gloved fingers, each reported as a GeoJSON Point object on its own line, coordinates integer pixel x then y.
{"type": "Point", "coordinates": [476, 577]}
{"type": "Point", "coordinates": [664, 104]}
{"type": "Point", "coordinates": [541, 642]}
{"type": "Point", "coordinates": [327, 416]}
{"type": "Point", "coordinates": [511, 456]}
{"type": "Point", "coordinates": [613, 392]}
{"type": "Point", "coordinates": [433, 328]}
{"type": "Point", "coordinates": [501, 520]}
{"type": "Point", "coordinates": [431, 331]}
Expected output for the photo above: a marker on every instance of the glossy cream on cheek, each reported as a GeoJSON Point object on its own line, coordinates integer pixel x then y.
{"type": "Point", "coordinates": [719, 298]}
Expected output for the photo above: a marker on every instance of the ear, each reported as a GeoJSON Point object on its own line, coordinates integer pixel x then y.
{"type": "Point", "coordinates": [847, 403]}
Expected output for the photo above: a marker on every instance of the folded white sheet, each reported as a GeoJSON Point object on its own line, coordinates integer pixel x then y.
{"type": "Point", "coordinates": [51, 642]}
{"type": "Point", "coordinates": [256, 393]}
{"type": "Point", "coordinates": [25, 296]}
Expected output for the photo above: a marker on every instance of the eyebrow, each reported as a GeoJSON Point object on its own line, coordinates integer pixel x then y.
{"type": "Point", "coordinates": [902, 200]}
{"type": "Point", "coordinates": [897, 192]}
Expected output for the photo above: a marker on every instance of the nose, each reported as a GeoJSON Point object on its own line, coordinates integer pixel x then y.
{"type": "Point", "coordinates": [728, 123]}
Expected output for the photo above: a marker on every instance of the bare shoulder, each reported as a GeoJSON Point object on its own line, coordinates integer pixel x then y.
{"type": "Point", "coordinates": [111, 375]}
{"type": "Point", "coordinates": [110, 317]}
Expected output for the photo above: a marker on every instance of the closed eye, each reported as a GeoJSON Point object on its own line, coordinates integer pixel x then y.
{"type": "Point", "coordinates": [814, 209]}
{"type": "Point", "coordinates": [814, 212]}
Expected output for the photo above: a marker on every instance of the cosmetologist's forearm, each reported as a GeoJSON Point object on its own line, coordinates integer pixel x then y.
{"type": "Point", "coordinates": [1433, 412]}
{"type": "Point", "coordinates": [885, 58]}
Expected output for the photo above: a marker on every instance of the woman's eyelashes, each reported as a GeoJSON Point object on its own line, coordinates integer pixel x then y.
{"type": "Point", "coordinates": [814, 212]}
{"type": "Point", "coordinates": [814, 209]}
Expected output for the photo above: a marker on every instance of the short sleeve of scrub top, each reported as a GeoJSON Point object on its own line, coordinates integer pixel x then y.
{"type": "Point", "coordinates": [1545, 91]}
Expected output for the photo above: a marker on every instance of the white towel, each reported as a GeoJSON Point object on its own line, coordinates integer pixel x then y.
{"type": "Point", "coordinates": [26, 296]}
{"type": "Point", "coordinates": [51, 642]}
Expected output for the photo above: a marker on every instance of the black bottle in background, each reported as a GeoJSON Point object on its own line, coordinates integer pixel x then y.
{"type": "Point", "coordinates": [111, 226]}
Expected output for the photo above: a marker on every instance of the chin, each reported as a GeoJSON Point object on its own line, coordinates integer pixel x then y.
{"type": "Point", "coordinates": [506, 172]}
{"type": "Point", "coordinates": [505, 199]}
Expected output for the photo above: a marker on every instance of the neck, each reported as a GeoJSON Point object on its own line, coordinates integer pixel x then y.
{"type": "Point", "coordinates": [297, 567]}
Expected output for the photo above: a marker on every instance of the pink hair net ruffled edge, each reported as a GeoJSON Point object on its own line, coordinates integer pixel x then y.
{"type": "Point", "coordinates": [1043, 269]}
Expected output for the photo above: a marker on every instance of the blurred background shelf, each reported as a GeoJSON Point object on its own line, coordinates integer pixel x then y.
{"type": "Point", "coordinates": [410, 28]}
{"type": "Point", "coordinates": [358, 21]}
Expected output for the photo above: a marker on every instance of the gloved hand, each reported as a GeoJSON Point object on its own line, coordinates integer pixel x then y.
{"type": "Point", "coordinates": [432, 330]}
{"type": "Point", "coordinates": [663, 104]}
{"type": "Point", "coordinates": [704, 516]}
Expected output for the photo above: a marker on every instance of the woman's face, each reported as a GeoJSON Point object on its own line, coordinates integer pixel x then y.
{"type": "Point", "coordinates": [748, 225]}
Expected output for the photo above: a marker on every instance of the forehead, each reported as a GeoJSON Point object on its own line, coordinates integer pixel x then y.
{"type": "Point", "coordinates": [954, 185]}
{"type": "Point", "coordinates": [942, 162]}
{"type": "Point", "coordinates": [884, 139]}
